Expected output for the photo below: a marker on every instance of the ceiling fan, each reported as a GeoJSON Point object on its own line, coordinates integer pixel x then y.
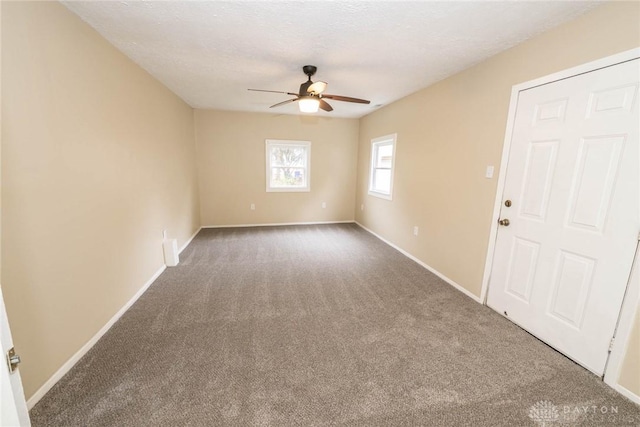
{"type": "Point", "coordinates": [311, 95]}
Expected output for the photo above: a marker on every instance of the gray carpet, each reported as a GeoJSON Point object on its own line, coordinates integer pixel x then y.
{"type": "Point", "coordinates": [318, 325]}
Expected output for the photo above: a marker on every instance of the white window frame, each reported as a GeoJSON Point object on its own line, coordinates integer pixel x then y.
{"type": "Point", "coordinates": [376, 143]}
{"type": "Point", "coordinates": [280, 142]}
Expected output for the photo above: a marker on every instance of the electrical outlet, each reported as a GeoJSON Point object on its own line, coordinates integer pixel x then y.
{"type": "Point", "coordinates": [415, 230]}
{"type": "Point", "coordinates": [253, 206]}
{"type": "Point", "coordinates": [324, 205]}
{"type": "Point", "coordinates": [362, 207]}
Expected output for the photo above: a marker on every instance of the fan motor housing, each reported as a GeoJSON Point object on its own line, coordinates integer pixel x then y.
{"type": "Point", "coordinates": [303, 88]}
{"type": "Point", "coordinates": [309, 70]}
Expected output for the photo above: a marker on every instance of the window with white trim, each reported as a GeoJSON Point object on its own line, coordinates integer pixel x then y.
{"type": "Point", "coordinates": [288, 165]}
{"type": "Point", "coordinates": [383, 152]}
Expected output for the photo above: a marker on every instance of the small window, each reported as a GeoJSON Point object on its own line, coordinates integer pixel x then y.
{"type": "Point", "coordinates": [383, 151]}
{"type": "Point", "coordinates": [288, 165]}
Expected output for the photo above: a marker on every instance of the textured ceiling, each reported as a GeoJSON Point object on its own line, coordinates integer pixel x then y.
{"type": "Point", "coordinates": [210, 53]}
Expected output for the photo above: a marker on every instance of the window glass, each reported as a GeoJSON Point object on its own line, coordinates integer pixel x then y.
{"type": "Point", "coordinates": [382, 166]}
{"type": "Point", "coordinates": [288, 165]}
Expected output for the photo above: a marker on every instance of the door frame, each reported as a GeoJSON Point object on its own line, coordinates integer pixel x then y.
{"type": "Point", "coordinates": [632, 297]}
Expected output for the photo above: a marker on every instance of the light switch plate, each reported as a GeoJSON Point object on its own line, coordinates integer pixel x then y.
{"type": "Point", "coordinates": [489, 173]}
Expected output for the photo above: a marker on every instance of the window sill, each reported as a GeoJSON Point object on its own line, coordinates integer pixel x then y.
{"type": "Point", "coordinates": [380, 195]}
{"type": "Point", "coordinates": [288, 190]}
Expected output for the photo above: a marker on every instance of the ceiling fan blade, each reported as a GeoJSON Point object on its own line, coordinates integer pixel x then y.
{"type": "Point", "coordinates": [317, 87]}
{"type": "Point", "coordinates": [273, 91]}
{"type": "Point", "coordinates": [284, 102]}
{"type": "Point", "coordinates": [325, 105]}
{"type": "Point", "coordinates": [346, 99]}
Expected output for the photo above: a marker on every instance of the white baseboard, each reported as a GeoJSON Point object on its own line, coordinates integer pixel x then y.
{"type": "Point", "coordinates": [428, 267]}
{"type": "Point", "coordinates": [278, 224]}
{"type": "Point", "coordinates": [189, 241]}
{"type": "Point", "coordinates": [628, 394]}
{"type": "Point", "coordinates": [85, 348]}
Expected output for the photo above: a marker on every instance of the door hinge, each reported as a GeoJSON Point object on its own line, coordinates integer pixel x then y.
{"type": "Point", "coordinates": [613, 339]}
{"type": "Point", "coordinates": [13, 360]}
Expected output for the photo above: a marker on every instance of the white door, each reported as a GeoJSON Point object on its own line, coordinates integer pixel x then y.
{"type": "Point", "coordinates": [562, 263]}
{"type": "Point", "coordinates": [13, 409]}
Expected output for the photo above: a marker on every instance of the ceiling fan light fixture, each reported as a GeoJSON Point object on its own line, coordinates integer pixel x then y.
{"type": "Point", "coordinates": [310, 97]}
{"type": "Point", "coordinates": [308, 104]}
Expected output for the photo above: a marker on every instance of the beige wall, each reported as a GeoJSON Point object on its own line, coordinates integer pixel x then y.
{"type": "Point", "coordinates": [97, 159]}
{"type": "Point", "coordinates": [231, 168]}
{"type": "Point", "coordinates": [629, 376]}
{"type": "Point", "coordinates": [448, 133]}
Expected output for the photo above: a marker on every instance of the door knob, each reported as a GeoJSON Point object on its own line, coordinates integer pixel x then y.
{"type": "Point", "coordinates": [504, 222]}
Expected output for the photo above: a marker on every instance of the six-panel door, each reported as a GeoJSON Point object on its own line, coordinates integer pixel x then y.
{"type": "Point", "coordinates": [561, 267]}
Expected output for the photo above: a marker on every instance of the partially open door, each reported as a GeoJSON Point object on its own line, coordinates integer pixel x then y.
{"type": "Point", "coordinates": [13, 409]}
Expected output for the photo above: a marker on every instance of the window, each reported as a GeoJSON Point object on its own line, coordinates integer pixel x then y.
{"type": "Point", "coordinates": [288, 165]}
{"type": "Point", "coordinates": [383, 151]}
